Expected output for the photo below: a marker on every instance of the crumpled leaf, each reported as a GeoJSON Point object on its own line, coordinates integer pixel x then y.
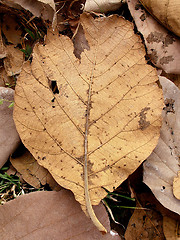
{"type": "Point", "coordinates": [163, 164]}
{"type": "Point", "coordinates": [145, 225]}
{"type": "Point", "coordinates": [171, 228]}
{"type": "Point", "coordinates": [102, 6]}
{"type": "Point", "coordinates": [162, 46]}
{"type": "Point", "coordinates": [176, 186]}
{"type": "Point", "coordinates": [9, 138]}
{"type": "Point", "coordinates": [166, 11]}
{"type": "Point", "coordinates": [108, 99]}
{"type": "Point", "coordinates": [13, 61]}
{"type": "Point", "coordinates": [50, 215]}
{"type": "Point", "coordinates": [32, 172]}
{"type": "Point", "coordinates": [39, 8]}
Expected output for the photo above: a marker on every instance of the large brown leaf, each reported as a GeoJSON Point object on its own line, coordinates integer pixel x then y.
{"type": "Point", "coordinates": [162, 165]}
{"type": "Point", "coordinates": [103, 119]}
{"type": "Point", "coordinates": [166, 11]}
{"type": "Point", "coordinates": [49, 215]}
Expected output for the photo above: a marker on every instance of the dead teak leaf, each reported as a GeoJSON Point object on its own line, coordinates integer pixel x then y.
{"type": "Point", "coordinates": [90, 122]}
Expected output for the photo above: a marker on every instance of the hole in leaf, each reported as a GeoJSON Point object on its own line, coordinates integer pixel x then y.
{"type": "Point", "coordinates": [54, 87]}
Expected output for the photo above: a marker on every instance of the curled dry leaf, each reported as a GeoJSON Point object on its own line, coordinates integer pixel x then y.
{"type": "Point", "coordinates": [32, 172]}
{"type": "Point", "coordinates": [163, 164]}
{"type": "Point", "coordinates": [9, 138]}
{"type": "Point", "coordinates": [102, 6]}
{"type": "Point", "coordinates": [50, 215]}
{"type": "Point", "coordinates": [13, 61]}
{"type": "Point", "coordinates": [171, 228]}
{"type": "Point", "coordinates": [162, 46]}
{"type": "Point", "coordinates": [166, 11]}
{"type": "Point", "coordinates": [39, 8]}
{"type": "Point", "coordinates": [176, 186]}
{"type": "Point", "coordinates": [90, 122]}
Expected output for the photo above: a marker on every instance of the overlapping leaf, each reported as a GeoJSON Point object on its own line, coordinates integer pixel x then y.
{"type": "Point", "coordinates": [50, 215]}
{"type": "Point", "coordinates": [166, 11]}
{"type": "Point", "coordinates": [102, 110]}
{"type": "Point", "coordinates": [162, 165]}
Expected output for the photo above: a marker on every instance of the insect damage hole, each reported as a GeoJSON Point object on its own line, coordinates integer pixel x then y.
{"type": "Point", "coordinates": [53, 86]}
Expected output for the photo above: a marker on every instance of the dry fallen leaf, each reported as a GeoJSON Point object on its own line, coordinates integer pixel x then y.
{"type": "Point", "coordinates": [176, 186]}
{"type": "Point", "coordinates": [163, 164]}
{"type": "Point", "coordinates": [11, 29]}
{"type": "Point", "coordinates": [50, 215]}
{"type": "Point", "coordinates": [163, 47]}
{"type": "Point", "coordinates": [32, 172]}
{"type": "Point", "coordinates": [166, 11]}
{"type": "Point", "coordinates": [171, 228]}
{"type": "Point", "coordinates": [145, 225]}
{"type": "Point", "coordinates": [39, 8]}
{"type": "Point", "coordinates": [9, 138]}
{"type": "Point", "coordinates": [102, 6]}
{"type": "Point", "coordinates": [102, 119]}
{"type": "Point", "coordinates": [13, 61]}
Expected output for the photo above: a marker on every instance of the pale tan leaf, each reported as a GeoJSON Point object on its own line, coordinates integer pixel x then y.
{"type": "Point", "coordinates": [171, 228]}
{"type": "Point", "coordinates": [176, 186]}
{"type": "Point", "coordinates": [163, 164]}
{"type": "Point", "coordinates": [105, 111]}
{"type": "Point", "coordinates": [32, 172]}
{"type": "Point", "coordinates": [163, 47]}
{"type": "Point", "coordinates": [11, 29]}
{"type": "Point", "coordinates": [39, 8]}
{"type": "Point", "coordinates": [13, 61]}
{"type": "Point", "coordinates": [145, 225]}
{"type": "Point", "coordinates": [102, 6]}
{"type": "Point", "coordinates": [50, 215]}
{"type": "Point", "coordinates": [166, 11]}
{"type": "Point", "coordinates": [9, 138]}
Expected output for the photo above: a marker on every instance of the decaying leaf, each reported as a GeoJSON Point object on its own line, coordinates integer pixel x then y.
{"type": "Point", "coordinates": [90, 121]}
{"type": "Point", "coordinates": [163, 164]}
{"type": "Point", "coordinates": [9, 138]}
{"type": "Point", "coordinates": [11, 29]}
{"type": "Point", "coordinates": [102, 6]}
{"type": "Point", "coordinates": [166, 11]}
{"type": "Point", "coordinates": [50, 215]}
{"type": "Point", "coordinates": [171, 228]}
{"type": "Point", "coordinates": [13, 61]}
{"type": "Point", "coordinates": [163, 47]}
{"type": "Point", "coordinates": [32, 172]}
{"type": "Point", "coordinates": [39, 8]}
{"type": "Point", "coordinates": [176, 186]}
{"type": "Point", "coordinates": [145, 225]}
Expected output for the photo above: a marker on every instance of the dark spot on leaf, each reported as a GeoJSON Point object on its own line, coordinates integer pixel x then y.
{"type": "Point", "coordinates": [166, 60]}
{"type": "Point", "coordinates": [143, 123]}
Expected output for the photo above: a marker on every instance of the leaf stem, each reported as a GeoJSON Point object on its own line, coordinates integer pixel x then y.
{"type": "Point", "coordinates": [89, 208]}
